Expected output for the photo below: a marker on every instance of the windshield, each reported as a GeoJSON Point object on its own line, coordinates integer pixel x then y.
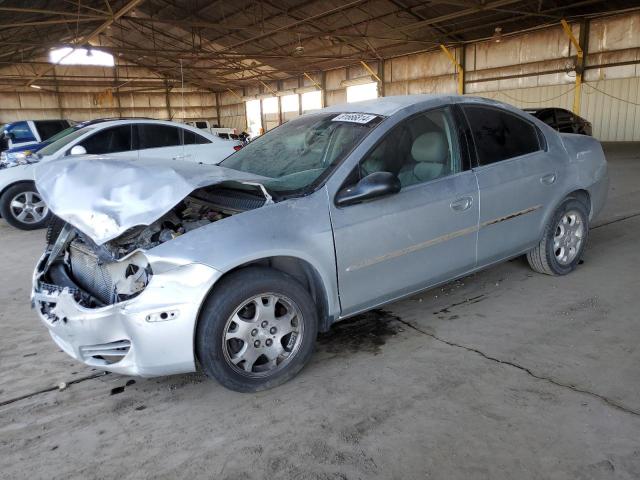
{"type": "Point", "coordinates": [62, 141]}
{"type": "Point", "coordinates": [61, 134]}
{"type": "Point", "coordinates": [298, 153]}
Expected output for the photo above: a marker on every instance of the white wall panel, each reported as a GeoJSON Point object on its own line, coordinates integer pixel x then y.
{"type": "Point", "coordinates": [613, 108]}
{"type": "Point", "coordinates": [544, 96]}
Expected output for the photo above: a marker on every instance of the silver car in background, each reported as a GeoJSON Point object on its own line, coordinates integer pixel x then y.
{"type": "Point", "coordinates": [154, 268]}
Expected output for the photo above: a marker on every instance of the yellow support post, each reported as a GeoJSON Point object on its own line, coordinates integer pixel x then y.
{"type": "Point", "coordinates": [459, 69]}
{"type": "Point", "coordinates": [579, 65]}
{"type": "Point", "coordinates": [312, 80]}
{"type": "Point", "coordinates": [368, 69]}
{"type": "Point", "coordinates": [271, 90]}
{"type": "Point", "coordinates": [234, 93]}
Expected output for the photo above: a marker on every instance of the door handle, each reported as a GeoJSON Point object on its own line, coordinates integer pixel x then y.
{"type": "Point", "coordinates": [548, 179]}
{"type": "Point", "coordinates": [461, 204]}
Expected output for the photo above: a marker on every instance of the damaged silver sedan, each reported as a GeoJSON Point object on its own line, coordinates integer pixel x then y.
{"type": "Point", "coordinates": [154, 267]}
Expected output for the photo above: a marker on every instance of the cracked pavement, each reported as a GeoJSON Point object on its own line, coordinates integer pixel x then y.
{"type": "Point", "coordinates": [504, 374]}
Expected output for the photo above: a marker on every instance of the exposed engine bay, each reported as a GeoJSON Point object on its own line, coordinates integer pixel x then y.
{"type": "Point", "coordinates": [99, 275]}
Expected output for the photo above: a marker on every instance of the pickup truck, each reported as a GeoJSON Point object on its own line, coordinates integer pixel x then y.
{"type": "Point", "coordinates": [30, 132]}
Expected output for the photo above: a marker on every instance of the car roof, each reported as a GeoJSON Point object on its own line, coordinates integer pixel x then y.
{"type": "Point", "coordinates": [105, 123]}
{"type": "Point", "coordinates": [387, 106]}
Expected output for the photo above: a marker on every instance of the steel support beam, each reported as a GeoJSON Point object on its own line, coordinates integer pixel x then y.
{"type": "Point", "coordinates": [370, 70]}
{"type": "Point", "coordinates": [580, 56]}
{"type": "Point", "coordinates": [459, 68]}
{"type": "Point", "coordinates": [87, 38]}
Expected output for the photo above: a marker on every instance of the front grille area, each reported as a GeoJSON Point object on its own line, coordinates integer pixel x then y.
{"type": "Point", "coordinates": [105, 353]}
{"type": "Point", "coordinates": [89, 273]}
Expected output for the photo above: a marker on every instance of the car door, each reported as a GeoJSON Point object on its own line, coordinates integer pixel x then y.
{"type": "Point", "coordinates": [115, 141]}
{"type": "Point", "coordinates": [202, 150]}
{"type": "Point", "coordinates": [426, 233]}
{"type": "Point", "coordinates": [22, 133]}
{"type": "Point", "coordinates": [155, 140]}
{"type": "Point", "coordinates": [515, 177]}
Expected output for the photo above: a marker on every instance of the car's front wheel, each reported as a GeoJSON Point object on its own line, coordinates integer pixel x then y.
{"type": "Point", "coordinates": [257, 330]}
{"type": "Point", "coordinates": [564, 240]}
{"type": "Point", "coordinates": [22, 207]}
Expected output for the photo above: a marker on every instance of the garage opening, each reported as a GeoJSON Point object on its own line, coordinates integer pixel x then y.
{"type": "Point", "coordinates": [311, 101]}
{"type": "Point", "coordinates": [358, 93]}
{"type": "Point", "coordinates": [254, 117]}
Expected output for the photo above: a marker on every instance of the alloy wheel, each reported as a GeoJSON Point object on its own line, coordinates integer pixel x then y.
{"type": "Point", "coordinates": [568, 237]}
{"type": "Point", "coordinates": [28, 207]}
{"type": "Point", "coordinates": [262, 335]}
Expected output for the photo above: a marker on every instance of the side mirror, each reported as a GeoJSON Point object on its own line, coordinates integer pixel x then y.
{"type": "Point", "coordinates": [9, 135]}
{"type": "Point", "coordinates": [78, 150]}
{"type": "Point", "coordinates": [374, 185]}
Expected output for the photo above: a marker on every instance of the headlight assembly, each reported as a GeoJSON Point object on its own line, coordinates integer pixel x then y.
{"type": "Point", "coordinates": [11, 159]}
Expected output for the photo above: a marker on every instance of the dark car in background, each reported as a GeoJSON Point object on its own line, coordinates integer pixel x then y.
{"type": "Point", "coordinates": [562, 120]}
{"type": "Point", "coordinates": [29, 132]}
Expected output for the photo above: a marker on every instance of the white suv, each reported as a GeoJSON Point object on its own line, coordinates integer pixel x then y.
{"type": "Point", "coordinates": [20, 202]}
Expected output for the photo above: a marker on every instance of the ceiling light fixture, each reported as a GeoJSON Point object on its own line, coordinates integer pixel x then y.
{"type": "Point", "coordinates": [299, 50]}
{"type": "Point", "coordinates": [81, 56]}
{"type": "Point", "coordinates": [497, 35]}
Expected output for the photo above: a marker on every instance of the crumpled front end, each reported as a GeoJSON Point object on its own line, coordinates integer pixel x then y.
{"type": "Point", "coordinates": [147, 331]}
{"type": "Point", "coordinates": [103, 291]}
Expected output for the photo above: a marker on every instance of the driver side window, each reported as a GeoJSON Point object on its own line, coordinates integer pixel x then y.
{"type": "Point", "coordinates": [418, 150]}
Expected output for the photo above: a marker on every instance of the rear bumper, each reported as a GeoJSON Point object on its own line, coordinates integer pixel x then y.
{"type": "Point", "coordinates": [149, 335]}
{"type": "Point", "coordinates": [598, 192]}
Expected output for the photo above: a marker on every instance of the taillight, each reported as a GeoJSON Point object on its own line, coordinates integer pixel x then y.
{"type": "Point", "coordinates": [237, 147]}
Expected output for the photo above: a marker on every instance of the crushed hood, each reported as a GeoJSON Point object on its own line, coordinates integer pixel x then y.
{"type": "Point", "coordinates": [103, 197]}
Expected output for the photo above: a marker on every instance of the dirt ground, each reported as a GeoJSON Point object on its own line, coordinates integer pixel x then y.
{"type": "Point", "coordinates": [505, 374]}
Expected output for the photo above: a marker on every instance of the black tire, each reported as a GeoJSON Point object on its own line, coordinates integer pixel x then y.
{"type": "Point", "coordinates": [543, 258]}
{"type": "Point", "coordinates": [8, 213]}
{"type": "Point", "coordinates": [232, 292]}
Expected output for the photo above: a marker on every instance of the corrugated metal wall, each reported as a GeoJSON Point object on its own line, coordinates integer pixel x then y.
{"type": "Point", "coordinates": [96, 99]}
{"type": "Point", "coordinates": [534, 69]}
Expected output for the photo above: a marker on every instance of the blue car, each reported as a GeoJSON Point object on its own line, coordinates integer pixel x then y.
{"type": "Point", "coordinates": [29, 132]}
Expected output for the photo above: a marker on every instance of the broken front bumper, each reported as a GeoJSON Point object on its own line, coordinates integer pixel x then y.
{"type": "Point", "coordinates": [149, 335]}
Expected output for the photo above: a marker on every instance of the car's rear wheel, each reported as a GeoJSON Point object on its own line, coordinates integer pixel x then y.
{"type": "Point", "coordinates": [257, 330]}
{"type": "Point", "coordinates": [22, 207]}
{"type": "Point", "coordinates": [564, 240]}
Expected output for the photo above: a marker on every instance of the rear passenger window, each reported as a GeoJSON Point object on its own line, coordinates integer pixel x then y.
{"type": "Point", "coordinates": [157, 136]}
{"type": "Point", "coordinates": [192, 138]}
{"type": "Point", "coordinates": [109, 140]}
{"type": "Point", "coordinates": [500, 135]}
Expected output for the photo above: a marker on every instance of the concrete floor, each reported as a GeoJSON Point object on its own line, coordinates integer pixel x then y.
{"type": "Point", "coordinates": [503, 375]}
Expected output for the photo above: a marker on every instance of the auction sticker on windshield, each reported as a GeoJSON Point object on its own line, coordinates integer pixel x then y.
{"type": "Point", "coordinates": [354, 117]}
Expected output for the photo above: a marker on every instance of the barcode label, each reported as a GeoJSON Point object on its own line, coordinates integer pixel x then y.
{"type": "Point", "coordinates": [354, 117]}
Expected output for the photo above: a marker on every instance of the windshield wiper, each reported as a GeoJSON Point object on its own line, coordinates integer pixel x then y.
{"type": "Point", "coordinates": [263, 189]}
